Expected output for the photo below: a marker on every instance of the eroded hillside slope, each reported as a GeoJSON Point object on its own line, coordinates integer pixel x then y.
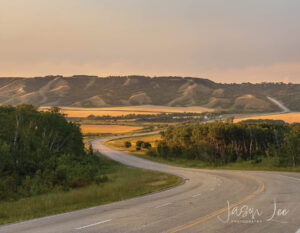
{"type": "Point", "coordinates": [92, 91]}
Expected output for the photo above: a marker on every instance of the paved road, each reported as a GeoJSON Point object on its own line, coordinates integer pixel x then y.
{"type": "Point", "coordinates": [199, 204]}
{"type": "Point", "coordinates": [280, 105]}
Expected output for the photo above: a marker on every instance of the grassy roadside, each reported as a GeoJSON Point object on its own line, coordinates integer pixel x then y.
{"type": "Point", "coordinates": [123, 182]}
{"type": "Point", "coordinates": [265, 165]}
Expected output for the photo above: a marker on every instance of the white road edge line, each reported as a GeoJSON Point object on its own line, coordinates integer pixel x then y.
{"type": "Point", "coordinates": [94, 224]}
{"type": "Point", "coordinates": [196, 195]}
{"type": "Point", "coordinates": [294, 178]}
{"type": "Point", "coordinates": [298, 231]}
{"type": "Point", "coordinates": [163, 205]}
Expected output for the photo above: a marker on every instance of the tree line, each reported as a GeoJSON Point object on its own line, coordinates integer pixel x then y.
{"type": "Point", "coordinates": [161, 117]}
{"type": "Point", "coordinates": [220, 143]}
{"type": "Point", "coordinates": [41, 152]}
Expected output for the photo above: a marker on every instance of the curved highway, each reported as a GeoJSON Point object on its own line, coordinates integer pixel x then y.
{"type": "Point", "coordinates": [280, 105]}
{"type": "Point", "coordinates": [266, 202]}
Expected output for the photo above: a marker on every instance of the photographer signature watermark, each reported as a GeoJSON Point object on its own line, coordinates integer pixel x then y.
{"type": "Point", "coordinates": [246, 214]}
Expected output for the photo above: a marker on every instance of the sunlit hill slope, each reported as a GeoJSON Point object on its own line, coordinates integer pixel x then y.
{"type": "Point", "coordinates": [91, 91]}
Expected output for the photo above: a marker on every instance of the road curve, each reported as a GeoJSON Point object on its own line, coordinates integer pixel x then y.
{"type": "Point", "coordinates": [199, 204]}
{"type": "Point", "coordinates": [280, 105]}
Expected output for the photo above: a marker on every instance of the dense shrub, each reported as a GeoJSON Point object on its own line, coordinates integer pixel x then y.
{"type": "Point", "coordinates": [40, 152]}
{"type": "Point", "coordinates": [146, 145]}
{"type": "Point", "coordinates": [139, 143]}
{"type": "Point", "coordinates": [127, 144]}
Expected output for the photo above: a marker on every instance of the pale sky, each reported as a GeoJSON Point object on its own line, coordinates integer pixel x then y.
{"type": "Point", "coordinates": [223, 40]}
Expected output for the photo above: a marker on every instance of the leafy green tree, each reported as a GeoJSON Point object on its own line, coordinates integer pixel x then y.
{"type": "Point", "coordinates": [146, 145]}
{"type": "Point", "coordinates": [41, 151]}
{"type": "Point", "coordinates": [55, 109]}
{"type": "Point", "coordinates": [292, 146]}
{"type": "Point", "coordinates": [127, 144]}
{"type": "Point", "coordinates": [223, 142]}
{"type": "Point", "coordinates": [139, 143]}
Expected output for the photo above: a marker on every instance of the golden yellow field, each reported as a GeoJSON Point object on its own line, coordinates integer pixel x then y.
{"type": "Point", "coordinates": [120, 142]}
{"type": "Point", "coordinates": [108, 128]}
{"type": "Point", "coordinates": [118, 111]}
{"type": "Point", "coordinates": [287, 117]}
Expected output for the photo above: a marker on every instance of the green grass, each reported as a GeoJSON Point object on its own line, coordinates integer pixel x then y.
{"type": "Point", "coordinates": [265, 165]}
{"type": "Point", "coordinates": [124, 182]}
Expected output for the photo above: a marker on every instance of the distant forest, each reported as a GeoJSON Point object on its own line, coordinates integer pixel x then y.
{"type": "Point", "coordinates": [221, 143]}
{"type": "Point", "coordinates": [161, 117]}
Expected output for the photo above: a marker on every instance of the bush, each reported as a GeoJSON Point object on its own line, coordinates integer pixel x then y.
{"type": "Point", "coordinates": [152, 153]}
{"type": "Point", "coordinates": [101, 179]}
{"type": "Point", "coordinates": [79, 182]}
{"type": "Point", "coordinates": [146, 145]}
{"type": "Point", "coordinates": [139, 143]}
{"type": "Point", "coordinates": [127, 144]}
{"type": "Point", "coordinates": [256, 161]}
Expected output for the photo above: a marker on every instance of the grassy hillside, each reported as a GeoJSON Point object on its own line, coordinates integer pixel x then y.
{"type": "Point", "coordinates": [90, 91]}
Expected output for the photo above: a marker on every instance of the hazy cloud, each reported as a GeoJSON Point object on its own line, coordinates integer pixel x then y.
{"type": "Point", "coordinates": [227, 40]}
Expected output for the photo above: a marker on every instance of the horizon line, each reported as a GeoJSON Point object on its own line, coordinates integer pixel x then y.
{"type": "Point", "coordinates": [145, 76]}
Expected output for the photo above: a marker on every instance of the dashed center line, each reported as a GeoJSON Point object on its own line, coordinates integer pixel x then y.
{"type": "Point", "coordinates": [94, 224]}
{"type": "Point", "coordinates": [196, 195]}
{"type": "Point", "coordinates": [163, 205]}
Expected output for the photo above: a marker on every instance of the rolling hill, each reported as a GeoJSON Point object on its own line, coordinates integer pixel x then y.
{"type": "Point", "coordinates": [92, 91]}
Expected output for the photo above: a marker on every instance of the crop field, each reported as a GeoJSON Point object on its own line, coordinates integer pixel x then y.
{"type": "Point", "coordinates": [293, 117]}
{"type": "Point", "coordinates": [98, 129]}
{"type": "Point", "coordinates": [119, 143]}
{"type": "Point", "coordinates": [119, 111]}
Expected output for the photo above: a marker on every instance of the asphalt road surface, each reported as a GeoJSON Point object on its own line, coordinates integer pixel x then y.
{"type": "Point", "coordinates": [280, 105]}
{"type": "Point", "coordinates": [267, 202]}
